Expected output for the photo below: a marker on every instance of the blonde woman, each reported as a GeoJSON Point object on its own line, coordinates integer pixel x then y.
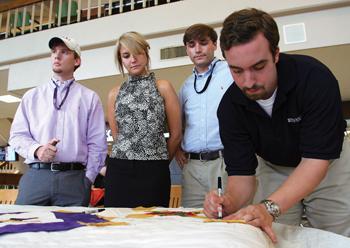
{"type": "Point", "coordinates": [138, 112]}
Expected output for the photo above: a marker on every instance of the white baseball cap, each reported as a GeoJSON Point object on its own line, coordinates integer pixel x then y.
{"type": "Point", "coordinates": [69, 42]}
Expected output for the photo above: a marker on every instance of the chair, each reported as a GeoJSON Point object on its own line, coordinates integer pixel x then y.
{"type": "Point", "coordinates": [64, 12]}
{"type": "Point", "coordinates": [17, 27]}
{"type": "Point", "coordinates": [138, 4]}
{"type": "Point", "coordinates": [27, 20]}
{"type": "Point", "coordinates": [8, 196]}
{"type": "Point", "coordinates": [175, 196]}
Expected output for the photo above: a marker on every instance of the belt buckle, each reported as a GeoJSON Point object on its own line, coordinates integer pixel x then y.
{"type": "Point", "coordinates": [52, 164]}
{"type": "Point", "coordinates": [200, 157]}
{"type": "Point", "coordinates": [221, 154]}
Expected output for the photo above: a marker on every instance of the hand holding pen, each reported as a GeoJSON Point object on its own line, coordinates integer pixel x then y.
{"type": "Point", "coordinates": [213, 203]}
{"type": "Point", "coordinates": [47, 152]}
{"type": "Point", "coordinates": [219, 194]}
{"type": "Point", "coordinates": [54, 142]}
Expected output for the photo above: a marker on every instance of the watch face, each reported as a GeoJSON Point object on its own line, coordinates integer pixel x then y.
{"type": "Point", "coordinates": [272, 208]}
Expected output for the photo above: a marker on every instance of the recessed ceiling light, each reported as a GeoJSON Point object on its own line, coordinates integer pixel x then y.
{"type": "Point", "coordinates": [9, 99]}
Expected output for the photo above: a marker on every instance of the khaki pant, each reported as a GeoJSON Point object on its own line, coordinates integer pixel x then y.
{"type": "Point", "coordinates": [327, 207]}
{"type": "Point", "coordinates": [198, 178]}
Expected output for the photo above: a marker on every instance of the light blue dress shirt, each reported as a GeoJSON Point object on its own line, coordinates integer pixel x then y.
{"type": "Point", "coordinates": [201, 127]}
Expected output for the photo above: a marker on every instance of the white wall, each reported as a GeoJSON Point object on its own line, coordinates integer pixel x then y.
{"type": "Point", "coordinates": [323, 28]}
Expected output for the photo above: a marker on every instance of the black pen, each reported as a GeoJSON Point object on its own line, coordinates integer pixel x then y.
{"type": "Point", "coordinates": [93, 211]}
{"type": "Point", "coordinates": [220, 194]}
{"type": "Point", "coordinates": [54, 143]}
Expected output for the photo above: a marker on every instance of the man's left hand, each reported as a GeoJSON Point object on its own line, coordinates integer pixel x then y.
{"type": "Point", "coordinates": [103, 171]}
{"type": "Point", "coordinates": [256, 215]}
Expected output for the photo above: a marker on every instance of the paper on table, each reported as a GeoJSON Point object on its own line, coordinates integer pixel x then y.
{"type": "Point", "coordinates": [28, 217]}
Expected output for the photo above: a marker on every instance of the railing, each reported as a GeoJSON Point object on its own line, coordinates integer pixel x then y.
{"type": "Point", "coordinates": [55, 13]}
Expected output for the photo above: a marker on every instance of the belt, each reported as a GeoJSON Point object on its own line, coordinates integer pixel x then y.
{"type": "Point", "coordinates": [57, 166]}
{"type": "Point", "coordinates": [205, 156]}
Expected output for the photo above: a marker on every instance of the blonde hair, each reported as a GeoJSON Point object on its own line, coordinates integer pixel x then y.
{"type": "Point", "coordinates": [135, 43]}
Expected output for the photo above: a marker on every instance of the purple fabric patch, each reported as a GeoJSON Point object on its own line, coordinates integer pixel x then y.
{"type": "Point", "coordinates": [38, 227]}
{"type": "Point", "coordinates": [88, 218]}
{"type": "Point", "coordinates": [70, 222]}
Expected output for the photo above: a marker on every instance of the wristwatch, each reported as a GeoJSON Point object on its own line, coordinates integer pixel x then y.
{"type": "Point", "coordinates": [272, 207]}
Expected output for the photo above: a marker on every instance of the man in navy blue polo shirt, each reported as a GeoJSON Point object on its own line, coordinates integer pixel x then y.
{"type": "Point", "coordinates": [286, 109]}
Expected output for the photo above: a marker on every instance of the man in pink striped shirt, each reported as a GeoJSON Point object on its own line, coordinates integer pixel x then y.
{"type": "Point", "coordinates": [59, 129]}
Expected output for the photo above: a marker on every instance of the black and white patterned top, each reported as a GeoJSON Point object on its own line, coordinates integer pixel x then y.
{"type": "Point", "coordinates": [141, 119]}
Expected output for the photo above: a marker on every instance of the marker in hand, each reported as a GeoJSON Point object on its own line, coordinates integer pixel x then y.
{"type": "Point", "coordinates": [54, 143]}
{"type": "Point", "coordinates": [220, 194]}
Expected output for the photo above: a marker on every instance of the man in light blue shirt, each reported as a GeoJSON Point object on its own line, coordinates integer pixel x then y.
{"type": "Point", "coordinates": [200, 154]}
{"type": "Point", "coordinates": [59, 129]}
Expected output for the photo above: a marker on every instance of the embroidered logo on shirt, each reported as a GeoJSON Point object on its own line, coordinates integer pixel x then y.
{"type": "Point", "coordinates": [294, 120]}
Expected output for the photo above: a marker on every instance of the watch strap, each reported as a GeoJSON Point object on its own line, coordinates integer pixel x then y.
{"type": "Point", "coordinates": [272, 208]}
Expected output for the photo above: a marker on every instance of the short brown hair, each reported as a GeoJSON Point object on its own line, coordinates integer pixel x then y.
{"type": "Point", "coordinates": [135, 43]}
{"type": "Point", "coordinates": [199, 32]}
{"type": "Point", "coordinates": [242, 26]}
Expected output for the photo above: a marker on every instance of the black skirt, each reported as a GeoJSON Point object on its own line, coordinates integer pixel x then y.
{"type": "Point", "coordinates": [134, 183]}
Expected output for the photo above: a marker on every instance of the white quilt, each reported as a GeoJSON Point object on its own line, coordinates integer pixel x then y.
{"type": "Point", "coordinates": [164, 231]}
